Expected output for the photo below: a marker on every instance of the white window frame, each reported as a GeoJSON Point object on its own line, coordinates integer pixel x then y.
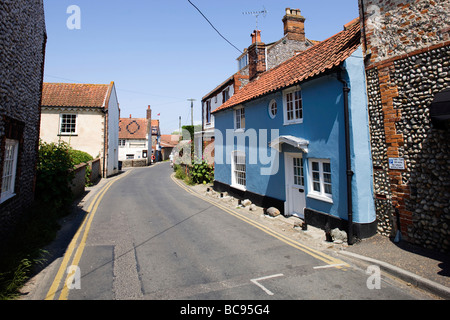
{"type": "Point", "coordinates": [243, 62]}
{"type": "Point", "coordinates": [321, 194]}
{"type": "Point", "coordinates": [208, 111]}
{"type": "Point", "coordinates": [122, 143]}
{"type": "Point", "coordinates": [295, 120]}
{"type": "Point", "coordinates": [61, 123]}
{"type": "Point", "coordinates": [271, 114]}
{"type": "Point", "coordinates": [298, 174]}
{"type": "Point", "coordinates": [239, 115]}
{"type": "Point", "coordinates": [9, 170]}
{"type": "Point", "coordinates": [238, 159]}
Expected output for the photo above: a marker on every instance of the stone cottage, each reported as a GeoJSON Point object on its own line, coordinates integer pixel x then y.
{"type": "Point", "coordinates": [406, 46]}
{"type": "Point", "coordinates": [22, 52]}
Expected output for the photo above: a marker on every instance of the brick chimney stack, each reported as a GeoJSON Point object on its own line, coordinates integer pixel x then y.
{"type": "Point", "coordinates": [149, 122]}
{"type": "Point", "coordinates": [294, 25]}
{"type": "Point", "coordinates": [149, 112]}
{"type": "Point", "coordinates": [256, 56]}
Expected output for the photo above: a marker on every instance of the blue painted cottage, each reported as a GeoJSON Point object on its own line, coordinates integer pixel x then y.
{"type": "Point", "coordinates": [297, 138]}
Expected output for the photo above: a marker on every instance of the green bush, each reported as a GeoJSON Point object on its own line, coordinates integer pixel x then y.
{"type": "Point", "coordinates": [202, 172]}
{"type": "Point", "coordinates": [79, 156]}
{"type": "Point", "coordinates": [54, 175]}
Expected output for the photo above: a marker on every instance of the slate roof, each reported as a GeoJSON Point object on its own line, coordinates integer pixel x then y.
{"type": "Point", "coordinates": [133, 128]}
{"type": "Point", "coordinates": [75, 95]}
{"type": "Point", "coordinates": [314, 61]}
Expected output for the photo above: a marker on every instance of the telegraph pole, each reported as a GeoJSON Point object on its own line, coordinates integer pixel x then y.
{"type": "Point", "coordinates": [192, 111]}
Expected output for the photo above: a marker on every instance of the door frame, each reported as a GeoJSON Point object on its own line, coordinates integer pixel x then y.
{"type": "Point", "coordinates": [289, 182]}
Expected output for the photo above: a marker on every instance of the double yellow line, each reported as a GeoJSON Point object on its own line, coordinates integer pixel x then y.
{"type": "Point", "coordinates": [84, 231]}
{"type": "Point", "coordinates": [329, 260]}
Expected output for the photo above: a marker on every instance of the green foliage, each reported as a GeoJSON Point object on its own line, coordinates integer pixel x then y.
{"type": "Point", "coordinates": [192, 130]}
{"type": "Point", "coordinates": [54, 174]}
{"type": "Point", "coordinates": [79, 156]}
{"type": "Point", "coordinates": [182, 173]}
{"type": "Point", "coordinates": [202, 172]}
{"type": "Point", "coordinates": [179, 172]}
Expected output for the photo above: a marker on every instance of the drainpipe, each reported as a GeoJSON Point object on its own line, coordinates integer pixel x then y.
{"type": "Point", "coordinates": [350, 173]}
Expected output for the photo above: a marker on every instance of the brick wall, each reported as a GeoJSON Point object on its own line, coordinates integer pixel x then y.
{"type": "Point", "coordinates": [22, 48]}
{"type": "Point", "coordinates": [406, 65]}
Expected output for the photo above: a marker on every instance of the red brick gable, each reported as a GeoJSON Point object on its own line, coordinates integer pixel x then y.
{"type": "Point", "coordinates": [314, 61]}
{"type": "Point", "coordinates": [74, 95]}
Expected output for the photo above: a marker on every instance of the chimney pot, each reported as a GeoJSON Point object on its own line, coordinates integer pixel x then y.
{"type": "Point", "coordinates": [256, 36]}
{"type": "Point", "coordinates": [149, 112]}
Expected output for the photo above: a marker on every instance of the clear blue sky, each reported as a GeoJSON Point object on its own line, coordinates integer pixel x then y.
{"type": "Point", "coordinates": [163, 52]}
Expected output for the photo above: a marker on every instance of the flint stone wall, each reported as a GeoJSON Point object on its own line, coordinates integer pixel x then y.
{"type": "Point", "coordinates": [425, 148]}
{"type": "Point", "coordinates": [22, 46]}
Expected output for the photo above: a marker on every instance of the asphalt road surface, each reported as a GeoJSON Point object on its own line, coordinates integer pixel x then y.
{"type": "Point", "coordinates": [146, 238]}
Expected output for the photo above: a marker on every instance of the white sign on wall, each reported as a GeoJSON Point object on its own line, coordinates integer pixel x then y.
{"type": "Point", "coordinates": [397, 163]}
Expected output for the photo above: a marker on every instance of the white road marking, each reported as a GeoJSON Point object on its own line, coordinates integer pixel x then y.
{"type": "Point", "coordinates": [255, 281]}
{"type": "Point", "coordinates": [330, 266]}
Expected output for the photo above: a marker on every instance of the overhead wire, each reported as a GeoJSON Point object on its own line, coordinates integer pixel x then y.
{"type": "Point", "coordinates": [213, 26]}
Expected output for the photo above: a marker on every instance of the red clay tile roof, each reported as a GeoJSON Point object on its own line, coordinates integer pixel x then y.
{"type": "Point", "coordinates": [132, 128]}
{"type": "Point", "coordinates": [75, 95]}
{"type": "Point", "coordinates": [316, 60]}
{"type": "Point", "coordinates": [169, 140]}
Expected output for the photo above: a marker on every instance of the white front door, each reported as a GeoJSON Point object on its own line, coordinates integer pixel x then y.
{"type": "Point", "coordinates": [295, 185]}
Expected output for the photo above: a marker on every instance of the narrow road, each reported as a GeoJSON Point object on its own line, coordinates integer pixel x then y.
{"type": "Point", "coordinates": [151, 239]}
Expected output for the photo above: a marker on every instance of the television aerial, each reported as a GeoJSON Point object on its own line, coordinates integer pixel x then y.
{"type": "Point", "coordinates": [256, 14]}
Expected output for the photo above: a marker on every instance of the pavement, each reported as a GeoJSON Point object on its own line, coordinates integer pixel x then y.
{"type": "Point", "coordinates": [423, 268]}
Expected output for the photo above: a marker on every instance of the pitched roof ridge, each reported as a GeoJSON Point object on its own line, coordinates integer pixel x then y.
{"type": "Point", "coordinates": [293, 75]}
{"type": "Point", "coordinates": [63, 94]}
{"type": "Point", "coordinates": [78, 84]}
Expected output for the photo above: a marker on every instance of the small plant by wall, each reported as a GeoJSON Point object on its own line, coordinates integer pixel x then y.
{"type": "Point", "coordinates": [202, 172]}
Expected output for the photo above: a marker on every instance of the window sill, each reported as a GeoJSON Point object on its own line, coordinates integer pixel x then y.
{"type": "Point", "coordinates": [320, 197]}
{"type": "Point", "coordinates": [68, 134]}
{"type": "Point", "coordinates": [287, 123]}
{"type": "Point", "coordinates": [7, 197]}
{"type": "Point", "coordinates": [239, 187]}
